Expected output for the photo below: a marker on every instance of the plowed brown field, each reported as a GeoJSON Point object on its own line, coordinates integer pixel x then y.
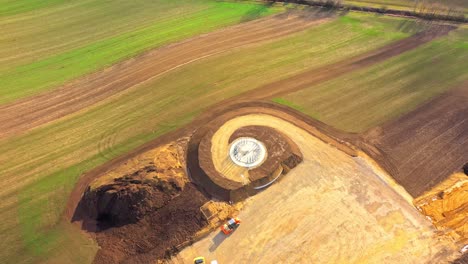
{"type": "Point", "coordinates": [424, 147]}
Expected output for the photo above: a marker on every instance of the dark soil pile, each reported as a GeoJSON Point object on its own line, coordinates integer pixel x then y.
{"type": "Point", "coordinates": [126, 200]}
{"type": "Point", "coordinates": [424, 147]}
{"type": "Point", "coordinates": [157, 234]}
{"type": "Point", "coordinates": [137, 219]}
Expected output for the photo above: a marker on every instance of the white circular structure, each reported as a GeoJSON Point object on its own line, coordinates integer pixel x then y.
{"type": "Point", "coordinates": [247, 152]}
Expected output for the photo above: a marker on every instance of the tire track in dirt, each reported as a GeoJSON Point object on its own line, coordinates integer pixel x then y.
{"type": "Point", "coordinates": [28, 113]}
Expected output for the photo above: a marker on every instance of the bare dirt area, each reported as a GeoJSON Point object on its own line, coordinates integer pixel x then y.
{"type": "Point", "coordinates": [282, 156]}
{"type": "Point", "coordinates": [332, 208]}
{"type": "Point", "coordinates": [426, 146]}
{"type": "Point", "coordinates": [334, 204]}
{"type": "Point", "coordinates": [220, 115]}
{"type": "Point", "coordinates": [31, 112]}
{"type": "Point", "coordinates": [282, 151]}
{"type": "Point", "coordinates": [447, 206]}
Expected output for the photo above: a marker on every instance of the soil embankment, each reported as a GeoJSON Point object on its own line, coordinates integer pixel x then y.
{"type": "Point", "coordinates": [229, 181]}
{"type": "Point", "coordinates": [447, 206]}
{"type": "Point", "coordinates": [222, 114]}
{"type": "Point", "coordinates": [282, 151]}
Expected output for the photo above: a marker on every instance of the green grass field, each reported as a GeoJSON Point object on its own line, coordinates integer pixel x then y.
{"type": "Point", "coordinates": [41, 49]}
{"type": "Point", "coordinates": [39, 169]}
{"type": "Point", "coordinates": [369, 97]}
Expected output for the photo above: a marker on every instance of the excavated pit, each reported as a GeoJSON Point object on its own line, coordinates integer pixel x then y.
{"type": "Point", "coordinates": [283, 155]}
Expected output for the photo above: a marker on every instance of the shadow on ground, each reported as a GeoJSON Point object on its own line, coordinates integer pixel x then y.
{"type": "Point", "coordinates": [217, 240]}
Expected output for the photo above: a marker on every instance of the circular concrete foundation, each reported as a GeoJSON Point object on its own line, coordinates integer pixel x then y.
{"type": "Point", "coordinates": [247, 152]}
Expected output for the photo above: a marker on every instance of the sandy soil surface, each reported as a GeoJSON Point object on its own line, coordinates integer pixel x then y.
{"type": "Point", "coordinates": [278, 148]}
{"type": "Point", "coordinates": [228, 169]}
{"type": "Point", "coordinates": [34, 111]}
{"type": "Point", "coordinates": [332, 208]}
{"type": "Point", "coordinates": [447, 206]}
{"type": "Point", "coordinates": [218, 116]}
{"type": "Point", "coordinates": [424, 147]}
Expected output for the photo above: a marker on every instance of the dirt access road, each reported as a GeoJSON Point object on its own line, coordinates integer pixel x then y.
{"type": "Point", "coordinates": [332, 208]}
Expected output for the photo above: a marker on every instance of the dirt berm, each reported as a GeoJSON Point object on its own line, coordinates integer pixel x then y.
{"type": "Point", "coordinates": [282, 156]}
{"type": "Point", "coordinates": [216, 118]}
{"type": "Point", "coordinates": [282, 151]}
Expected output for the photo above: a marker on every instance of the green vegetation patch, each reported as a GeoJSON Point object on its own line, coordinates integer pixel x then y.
{"type": "Point", "coordinates": [13, 7]}
{"type": "Point", "coordinates": [367, 98]}
{"type": "Point", "coordinates": [294, 106]}
{"type": "Point", "coordinates": [50, 72]}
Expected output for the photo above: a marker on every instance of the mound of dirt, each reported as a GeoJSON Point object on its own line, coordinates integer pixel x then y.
{"type": "Point", "coordinates": [157, 234]}
{"type": "Point", "coordinates": [143, 209]}
{"type": "Point", "coordinates": [127, 199]}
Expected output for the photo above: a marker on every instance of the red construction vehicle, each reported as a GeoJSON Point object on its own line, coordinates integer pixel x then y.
{"type": "Point", "coordinates": [231, 225]}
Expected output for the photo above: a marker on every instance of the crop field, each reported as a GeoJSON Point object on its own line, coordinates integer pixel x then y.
{"type": "Point", "coordinates": [439, 126]}
{"type": "Point", "coordinates": [363, 99]}
{"type": "Point", "coordinates": [84, 82]}
{"type": "Point", "coordinates": [460, 5]}
{"type": "Point", "coordinates": [35, 57]}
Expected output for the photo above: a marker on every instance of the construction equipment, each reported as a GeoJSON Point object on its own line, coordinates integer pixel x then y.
{"type": "Point", "coordinates": [231, 225]}
{"type": "Point", "coordinates": [199, 260]}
